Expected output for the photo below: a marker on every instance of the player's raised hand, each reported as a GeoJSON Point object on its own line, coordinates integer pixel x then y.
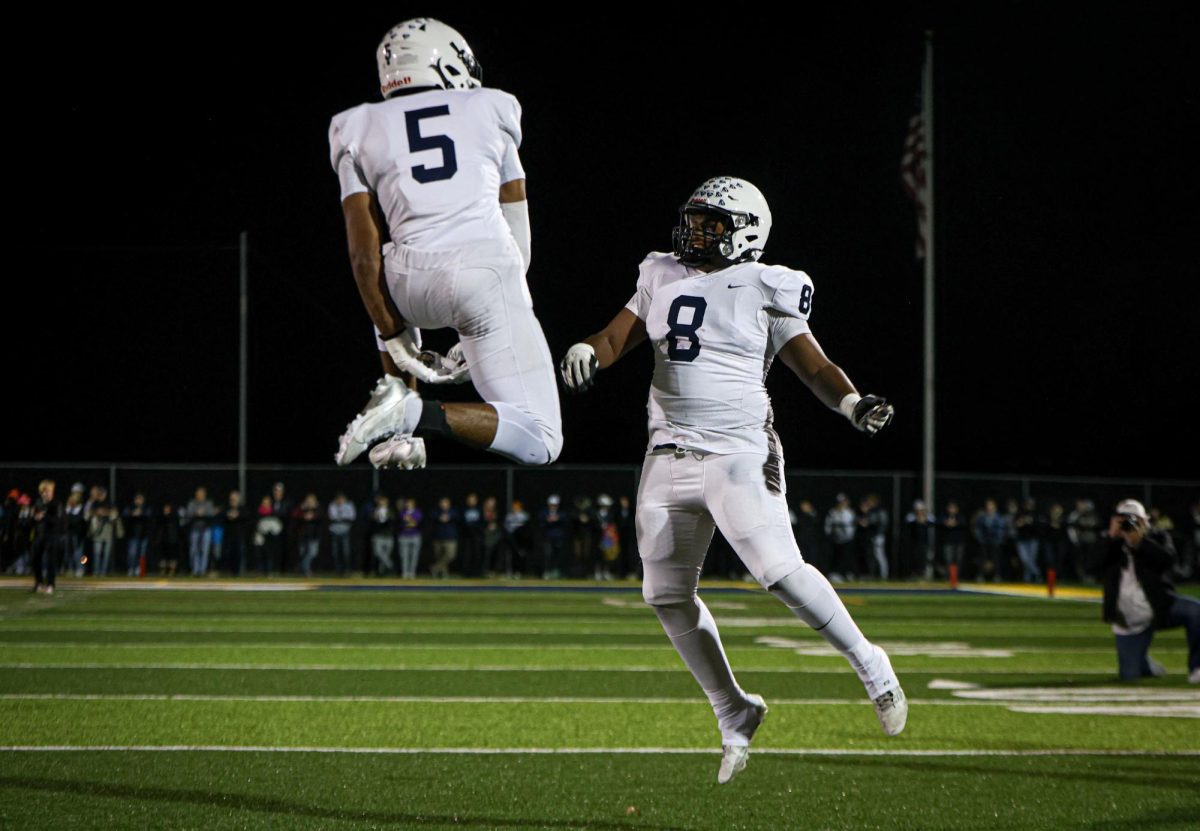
{"type": "Point", "coordinates": [579, 368]}
{"type": "Point", "coordinates": [871, 414]}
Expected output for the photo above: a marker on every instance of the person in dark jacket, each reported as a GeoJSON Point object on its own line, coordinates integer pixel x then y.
{"type": "Point", "coordinates": [445, 537]}
{"type": "Point", "coordinates": [49, 531]}
{"type": "Point", "coordinates": [871, 536]}
{"type": "Point", "coordinates": [234, 519]}
{"type": "Point", "coordinates": [167, 536]}
{"type": "Point", "coordinates": [1054, 539]}
{"type": "Point", "coordinates": [553, 524]}
{"type": "Point", "coordinates": [308, 519]}
{"type": "Point", "coordinates": [807, 529]}
{"type": "Point", "coordinates": [1029, 526]}
{"type": "Point", "coordinates": [341, 514]}
{"type": "Point", "coordinates": [73, 547]}
{"type": "Point", "coordinates": [136, 516]}
{"type": "Point", "coordinates": [952, 535]}
{"type": "Point", "coordinates": [472, 537]}
{"type": "Point", "coordinates": [919, 529]}
{"type": "Point", "coordinates": [1139, 598]}
{"type": "Point", "coordinates": [8, 528]}
{"type": "Point", "coordinates": [990, 530]}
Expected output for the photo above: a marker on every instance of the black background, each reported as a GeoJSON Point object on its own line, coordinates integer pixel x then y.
{"type": "Point", "coordinates": [1066, 222]}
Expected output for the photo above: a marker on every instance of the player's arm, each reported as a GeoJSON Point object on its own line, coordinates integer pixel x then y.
{"type": "Point", "coordinates": [364, 238]}
{"type": "Point", "coordinates": [365, 231]}
{"type": "Point", "coordinates": [804, 356]}
{"type": "Point", "coordinates": [601, 350]}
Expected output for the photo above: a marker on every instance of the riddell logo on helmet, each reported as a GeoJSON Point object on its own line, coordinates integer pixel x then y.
{"type": "Point", "coordinates": [396, 83]}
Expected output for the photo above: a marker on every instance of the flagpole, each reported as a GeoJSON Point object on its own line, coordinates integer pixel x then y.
{"type": "Point", "coordinates": [930, 249]}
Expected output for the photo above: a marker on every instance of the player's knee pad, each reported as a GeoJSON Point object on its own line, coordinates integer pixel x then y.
{"type": "Point", "coordinates": [554, 443]}
{"type": "Point", "coordinates": [678, 619]}
{"type": "Point", "coordinates": [665, 584]}
{"type": "Point", "coordinates": [808, 594]}
{"type": "Point", "coordinates": [522, 438]}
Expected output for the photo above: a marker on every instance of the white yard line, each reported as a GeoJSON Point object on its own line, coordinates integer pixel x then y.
{"type": "Point", "coordinates": [483, 627]}
{"type": "Point", "coordinates": [815, 650]}
{"type": "Point", "coordinates": [1139, 710]}
{"type": "Point", "coordinates": [501, 668]}
{"type": "Point", "coordinates": [165, 585]}
{"type": "Point", "coordinates": [396, 647]}
{"type": "Point", "coordinates": [578, 751]}
{"type": "Point", "coordinates": [451, 699]}
{"type": "Point", "coordinates": [484, 619]}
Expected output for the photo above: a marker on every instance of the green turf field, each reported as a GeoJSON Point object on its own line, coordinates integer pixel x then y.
{"type": "Point", "coordinates": [508, 709]}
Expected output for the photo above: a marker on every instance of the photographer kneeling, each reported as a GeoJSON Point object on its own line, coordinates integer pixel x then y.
{"type": "Point", "coordinates": [1139, 598]}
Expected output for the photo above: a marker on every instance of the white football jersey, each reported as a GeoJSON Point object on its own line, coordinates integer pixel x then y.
{"type": "Point", "coordinates": [435, 161]}
{"type": "Point", "coordinates": [714, 337]}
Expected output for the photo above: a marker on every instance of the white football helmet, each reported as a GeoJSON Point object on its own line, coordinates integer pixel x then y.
{"type": "Point", "coordinates": [424, 52]}
{"type": "Point", "coordinates": [747, 221]}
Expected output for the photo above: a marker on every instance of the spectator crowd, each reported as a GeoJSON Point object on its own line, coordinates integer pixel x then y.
{"type": "Point", "coordinates": [1021, 543]}
{"type": "Point", "coordinates": [86, 533]}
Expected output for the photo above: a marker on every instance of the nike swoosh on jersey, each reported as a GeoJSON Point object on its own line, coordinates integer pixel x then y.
{"type": "Point", "coordinates": [736, 286]}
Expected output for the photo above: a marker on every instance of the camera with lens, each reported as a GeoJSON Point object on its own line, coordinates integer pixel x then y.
{"type": "Point", "coordinates": [1129, 523]}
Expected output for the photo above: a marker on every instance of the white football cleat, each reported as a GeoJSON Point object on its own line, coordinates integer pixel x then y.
{"type": "Point", "coordinates": [734, 756]}
{"type": "Point", "coordinates": [892, 710]}
{"type": "Point", "coordinates": [383, 414]}
{"type": "Point", "coordinates": [1194, 676]}
{"type": "Point", "coordinates": [404, 452]}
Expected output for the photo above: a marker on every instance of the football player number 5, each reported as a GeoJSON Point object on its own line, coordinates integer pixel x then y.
{"type": "Point", "coordinates": [418, 142]}
{"type": "Point", "coordinates": [679, 331]}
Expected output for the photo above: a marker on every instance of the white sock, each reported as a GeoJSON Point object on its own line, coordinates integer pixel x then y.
{"type": "Point", "coordinates": [518, 436]}
{"type": "Point", "coordinates": [412, 415]}
{"type": "Point", "coordinates": [693, 633]}
{"type": "Point", "coordinates": [812, 599]}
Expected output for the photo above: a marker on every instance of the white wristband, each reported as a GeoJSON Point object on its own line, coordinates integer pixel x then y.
{"type": "Point", "coordinates": [846, 407]}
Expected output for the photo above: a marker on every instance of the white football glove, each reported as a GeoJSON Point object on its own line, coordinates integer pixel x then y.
{"type": "Point", "coordinates": [450, 368]}
{"type": "Point", "coordinates": [405, 349]}
{"type": "Point", "coordinates": [579, 367]}
{"type": "Point", "coordinates": [869, 413]}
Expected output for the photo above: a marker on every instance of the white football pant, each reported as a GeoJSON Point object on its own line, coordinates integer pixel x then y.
{"type": "Point", "coordinates": [479, 290]}
{"type": "Point", "coordinates": [682, 495]}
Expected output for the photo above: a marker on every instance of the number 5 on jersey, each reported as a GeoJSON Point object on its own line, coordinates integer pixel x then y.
{"type": "Point", "coordinates": [418, 142]}
{"type": "Point", "coordinates": [678, 331]}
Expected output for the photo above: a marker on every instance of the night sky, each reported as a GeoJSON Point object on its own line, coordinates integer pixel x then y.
{"type": "Point", "coordinates": [1067, 229]}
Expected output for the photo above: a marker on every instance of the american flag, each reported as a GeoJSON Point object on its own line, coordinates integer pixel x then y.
{"type": "Point", "coordinates": [912, 174]}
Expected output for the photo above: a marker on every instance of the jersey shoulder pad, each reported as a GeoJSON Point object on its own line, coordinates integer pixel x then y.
{"type": "Point", "coordinates": [787, 291]}
{"type": "Point", "coordinates": [658, 268]}
{"type": "Point", "coordinates": [504, 107]}
{"type": "Point", "coordinates": [345, 132]}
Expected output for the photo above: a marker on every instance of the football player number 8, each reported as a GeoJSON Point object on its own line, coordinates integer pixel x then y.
{"type": "Point", "coordinates": [418, 142]}
{"type": "Point", "coordinates": [678, 331]}
{"type": "Point", "coordinates": [806, 299]}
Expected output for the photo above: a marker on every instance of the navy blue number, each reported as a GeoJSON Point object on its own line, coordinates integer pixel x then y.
{"type": "Point", "coordinates": [805, 299]}
{"type": "Point", "coordinates": [685, 331]}
{"type": "Point", "coordinates": [418, 142]}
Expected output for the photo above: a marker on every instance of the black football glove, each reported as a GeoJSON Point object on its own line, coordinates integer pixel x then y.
{"type": "Point", "coordinates": [871, 414]}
